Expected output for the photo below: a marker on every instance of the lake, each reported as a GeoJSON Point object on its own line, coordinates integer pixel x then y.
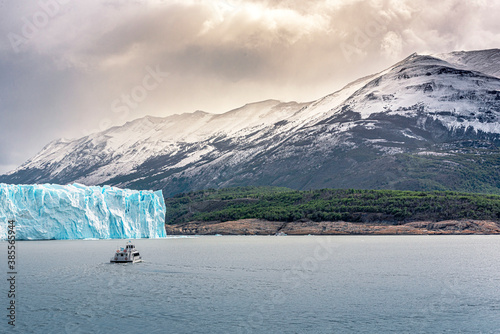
{"type": "Point", "coordinates": [244, 284]}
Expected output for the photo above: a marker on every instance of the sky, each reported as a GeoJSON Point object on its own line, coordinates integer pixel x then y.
{"type": "Point", "coordinates": [70, 68]}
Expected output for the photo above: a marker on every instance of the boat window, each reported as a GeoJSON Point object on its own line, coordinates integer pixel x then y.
{"type": "Point", "coordinates": [136, 254]}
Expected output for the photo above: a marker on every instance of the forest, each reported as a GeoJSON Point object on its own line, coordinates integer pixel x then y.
{"type": "Point", "coordinates": [349, 205]}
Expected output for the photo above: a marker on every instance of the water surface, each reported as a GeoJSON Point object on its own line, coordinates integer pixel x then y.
{"type": "Point", "coordinates": [337, 284]}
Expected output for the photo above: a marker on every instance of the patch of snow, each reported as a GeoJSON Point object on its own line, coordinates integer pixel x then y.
{"type": "Point", "coordinates": [374, 141]}
{"type": "Point", "coordinates": [409, 134]}
{"type": "Point", "coordinates": [437, 154]}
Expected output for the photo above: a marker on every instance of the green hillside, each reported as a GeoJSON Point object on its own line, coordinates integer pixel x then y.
{"type": "Point", "coordinates": [282, 204]}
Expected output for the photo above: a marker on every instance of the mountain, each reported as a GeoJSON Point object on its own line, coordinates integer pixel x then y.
{"type": "Point", "coordinates": [425, 123]}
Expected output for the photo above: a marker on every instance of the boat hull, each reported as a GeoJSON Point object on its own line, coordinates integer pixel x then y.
{"type": "Point", "coordinates": [129, 261]}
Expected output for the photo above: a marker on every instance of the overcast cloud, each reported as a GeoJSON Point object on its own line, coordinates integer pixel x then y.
{"type": "Point", "coordinates": [68, 68]}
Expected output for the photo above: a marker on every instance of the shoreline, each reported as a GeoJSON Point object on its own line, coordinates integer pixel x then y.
{"type": "Point", "coordinates": [264, 227]}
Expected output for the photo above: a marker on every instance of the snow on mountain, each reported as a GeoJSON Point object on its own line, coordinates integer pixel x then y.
{"type": "Point", "coordinates": [458, 98]}
{"type": "Point", "coordinates": [418, 103]}
{"type": "Point", "coordinates": [484, 61]}
{"type": "Point", "coordinates": [119, 149]}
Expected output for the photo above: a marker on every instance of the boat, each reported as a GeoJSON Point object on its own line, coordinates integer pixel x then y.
{"type": "Point", "coordinates": [126, 255]}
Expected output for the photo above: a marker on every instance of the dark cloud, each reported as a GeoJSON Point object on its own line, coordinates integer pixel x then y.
{"type": "Point", "coordinates": [220, 54]}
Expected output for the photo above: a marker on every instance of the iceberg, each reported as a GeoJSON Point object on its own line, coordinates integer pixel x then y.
{"type": "Point", "coordinates": [49, 211]}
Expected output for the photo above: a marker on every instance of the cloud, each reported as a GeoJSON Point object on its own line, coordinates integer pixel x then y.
{"type": "Point", "coordinates": [392, 45]}
{"type": "Point", "coordinates": [219, 54]}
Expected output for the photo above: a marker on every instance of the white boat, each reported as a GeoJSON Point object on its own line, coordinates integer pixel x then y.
{"type": "Point", "coordinates": [126, 255]}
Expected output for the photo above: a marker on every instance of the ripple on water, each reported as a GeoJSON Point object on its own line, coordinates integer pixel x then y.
{"type": "Point", "coordinates": [228, 284]}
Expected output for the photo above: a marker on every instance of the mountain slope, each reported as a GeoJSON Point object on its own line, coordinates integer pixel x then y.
{"type": "Point", "coordinates": [485, 61]}
{"type": "Point", "coordinates": [426, 123]}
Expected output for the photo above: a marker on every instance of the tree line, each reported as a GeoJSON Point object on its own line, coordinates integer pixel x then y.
{"type": "Point", "coordinates": [351, 205]}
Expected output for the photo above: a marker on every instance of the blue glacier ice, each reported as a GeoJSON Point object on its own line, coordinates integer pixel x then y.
{"type": "Point", "coordinates": [47, 211]}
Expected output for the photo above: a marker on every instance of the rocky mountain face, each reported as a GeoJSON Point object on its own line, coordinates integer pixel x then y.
{"type": "Point", "coordinates": [426, 123]}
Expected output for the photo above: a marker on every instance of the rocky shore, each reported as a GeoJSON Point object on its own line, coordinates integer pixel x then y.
{"type": "Point", "coordinates": [264, 227]}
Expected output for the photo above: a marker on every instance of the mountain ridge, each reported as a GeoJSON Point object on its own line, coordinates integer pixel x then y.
{"type": "Point", "coordinates": [420, 104]}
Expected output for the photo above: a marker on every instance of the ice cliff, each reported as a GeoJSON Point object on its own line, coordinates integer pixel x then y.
{"type": "Point", "coordinates": [75, 211]}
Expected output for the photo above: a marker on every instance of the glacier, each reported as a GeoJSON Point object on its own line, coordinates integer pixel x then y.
{"type": "Point", "coordinates": [75, 211]}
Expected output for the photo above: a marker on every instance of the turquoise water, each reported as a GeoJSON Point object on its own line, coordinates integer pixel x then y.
{"type": "Point", "coordinates": [345, 284]}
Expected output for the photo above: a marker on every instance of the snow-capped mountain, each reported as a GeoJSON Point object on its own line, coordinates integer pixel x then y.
{"type": "Point", "coordinates": [419, 124]}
